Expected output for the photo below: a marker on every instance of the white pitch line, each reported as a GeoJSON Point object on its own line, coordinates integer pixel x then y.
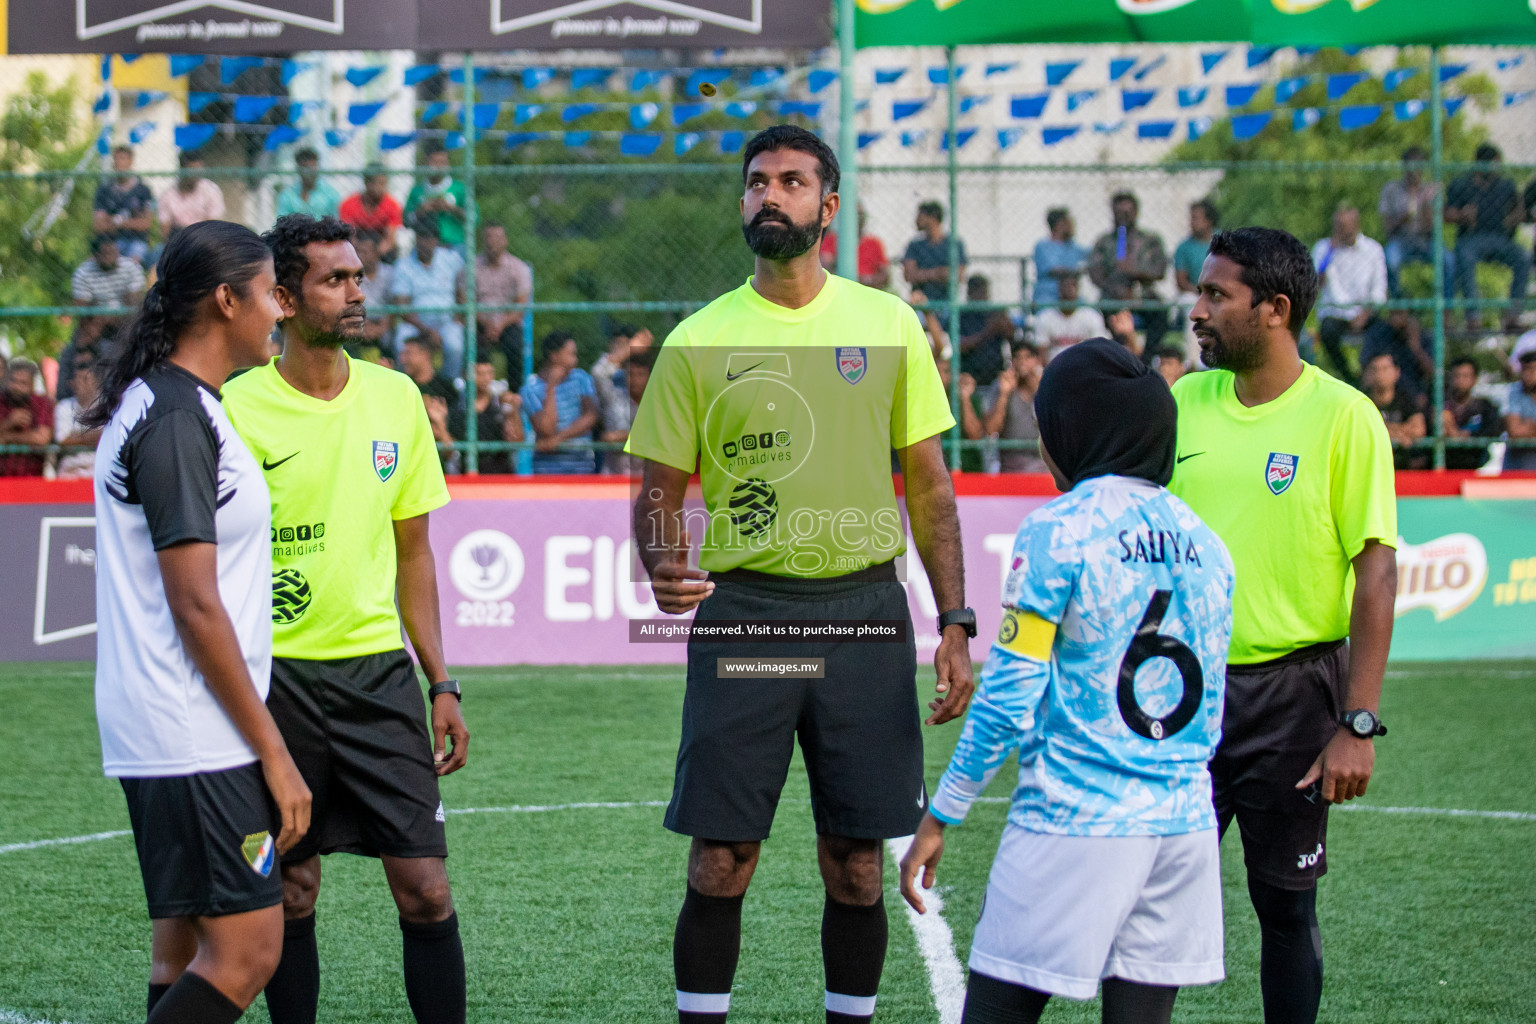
{"type": "Point", "coordinates": [38, 844]}
{"type": "Point", "coordinates": [11, 1017]}
{"type": "Point", "coordinates": [540, 808]}
{"type": "Point", "coordinates": [1444, 812]}
{"type": "Point", "coordinates": [937, 945]}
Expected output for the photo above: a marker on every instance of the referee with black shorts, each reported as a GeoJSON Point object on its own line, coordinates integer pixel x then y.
{"type": "Point", "coordinates": [1293, 470]}
{"type": "Point", "coordinates": [787, 395]}
{"type": "Point", "coordinates": [353, 470]}
{"type": "Point", "coordinates": [184, 641]}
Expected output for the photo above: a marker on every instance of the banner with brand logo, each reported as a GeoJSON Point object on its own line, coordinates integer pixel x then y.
{"type": "Point", "coordinates": [550, 579]}
{"type": "Point", "coordinates": [285, 26]}
{"type": "Point", "coordinates": [1273, 22]}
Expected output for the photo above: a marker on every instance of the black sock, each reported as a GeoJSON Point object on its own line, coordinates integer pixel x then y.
{"type": "Point", "coordinates": [434, 971]}
{"type": "Point", "coordinates": [705, 948]}
{"type": "Point", "coordinates": [293, 994]}
{"type": "Point", "coordinates": [1291, 953]}
{"type": "Point", "coordinates": [1131, 1002]}
{"type": "Point", "coordinates": [990, 1000]}
{"type": "Point", "coordinates": [194, 1001]}
{"type": "Point", "coordinates": [156, 993]}
{"type": "Point", "coordinates": [853, 940]}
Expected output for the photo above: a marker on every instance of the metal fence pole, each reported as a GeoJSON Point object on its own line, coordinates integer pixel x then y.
{"type": "Point", "coordinates": [847, 148]}
{"type": "Point", "coordinates": [471, 325]}
{"type": "Point", "coordinates": [1437, 250]}
{"type": "Point", "coordinates": [951, 116]}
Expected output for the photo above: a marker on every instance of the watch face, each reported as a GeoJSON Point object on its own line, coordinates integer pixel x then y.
{"type": "Point", "coordinates": [1363, 723]}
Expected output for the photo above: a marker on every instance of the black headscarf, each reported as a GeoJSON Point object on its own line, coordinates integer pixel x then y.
{"type": "Point", "coordinates": [1103, 412]}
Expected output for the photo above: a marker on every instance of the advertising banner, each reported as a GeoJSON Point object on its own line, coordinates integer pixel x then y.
{"type": "Point", "coordinates": [547, 579]}
{"type": "Point", "coordinates": [1267, 22]}
{"type": "Point", "coordinates": [285, 26]}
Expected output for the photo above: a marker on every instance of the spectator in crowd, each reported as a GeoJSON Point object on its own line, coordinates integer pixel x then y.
{"type": "Point", "coordinates": [1352, 271]}
{"type": "Point", "coordinates": [1189, 255]}
{"type": "Point", "coordinates": [1169, 362]}
{"type": "Point", "coordinates": [501, 279]}
{"type": "Point", "coordinates": [377, 287]}
{"type": "Point", "coordinates": [375, 211]}
{"type": "Point", "coordinates": [25, 418]}
{"type": "Point", "coordinates": [441, 197]}
{"type": "Point", "coordinates": [1467, 415]}
{"type": "Point", "coordinates": [618, 415]}
{"type": "Point", "coordinates": [124, 207]}
{"type": "Point", "coordinates": [108, 278]}
{"type": "Point", "coordinates": [1067, 323]}
{"type": "Point", "coordinates": [1407, 208]}
{"type": "Point", "coordinates": [1402, 336]}
{"type": "Point", "coordinates": [1188, 258]}
{"type": "Point", "coordinates": [1008, 410]}
{"type": "Point", "coordinates": [1127, 263]}
{"type": "Point", "coordinates": [66, 419]}
{"type": "Point", "coordinates": [1520, 414]}
{"type": "Point", "coordinates": [984, 334]}
{"type": "Point", "coordinates": [445, 406]}
{"type": "Point", "coordinates": [312, 195]}
{"type": "Point", "coordinates": [1057, 257]}
{"type": "Point", "coordinates": [972, 460]}
{"type": "Point", "coordinates": [572, 413]}
{"type": "Point", "coordinates": [428, 277]}
{"type": "Point", "coordinates": [190, 198]}
{"type": "Point", "coordinates": [926, 262]}
{"type": "Point", "coordinates": [938, 337]}
{"type": "Point", "coordinates": [1523, 344]}
{"type": "Point", "coordinates": [874, 264]}
{"type": "Point", "coordinates": [1486, 208]}
{"type": "Point", "coordinates": [1399, 411]}
{"type": "Point", "coordinates": [498, 415]}
{"type": "Point", "coordinates": [609, 373]}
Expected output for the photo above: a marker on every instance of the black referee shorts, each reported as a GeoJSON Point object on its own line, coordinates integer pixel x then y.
{"type": "Point", "coordinates": [859, 727]}
{"type": "Point", "coordinates": [207, 843]}
{"type": "Point", "coordinates": [1279, 716]}
{"type": "Point", "coordinates": [357, 729]}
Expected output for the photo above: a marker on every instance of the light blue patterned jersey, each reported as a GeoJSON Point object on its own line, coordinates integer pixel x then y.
{"type": "Point", "coordinates": [1113, 730]}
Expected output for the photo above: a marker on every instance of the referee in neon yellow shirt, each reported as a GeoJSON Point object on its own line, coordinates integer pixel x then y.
{"type": "Point", "coordinates": [788, 395]}
{"type": "Point", "coordinates": [1293, 470]}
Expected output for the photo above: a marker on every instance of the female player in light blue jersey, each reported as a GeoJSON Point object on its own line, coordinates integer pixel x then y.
{"type": "Point", "coordinates": [1107, 676]}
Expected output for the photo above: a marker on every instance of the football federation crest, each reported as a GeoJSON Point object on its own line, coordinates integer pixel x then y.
{"type": "Point", "coordinates": [260, 852]}
{"type": "Point", "coordinates": [852, 363]}
{"type": "Point", "coordinates": [1279, 472]}
{"type": "Point", "coordinates": [386, 456]}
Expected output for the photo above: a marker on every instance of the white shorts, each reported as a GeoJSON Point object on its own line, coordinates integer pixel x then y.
{"type": "Point", "coordinates": [1062, 912]}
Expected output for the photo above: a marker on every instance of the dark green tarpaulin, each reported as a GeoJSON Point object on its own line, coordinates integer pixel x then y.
{"type": "Point", "coordinates": [1264, 22]}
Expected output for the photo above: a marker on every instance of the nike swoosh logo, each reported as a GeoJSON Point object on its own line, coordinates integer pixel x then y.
{"type": "Point", "coordinates": [741, 373]}
{"type": "Point", "coordinates": [922, 800]}
{"type": "Point", "coordinates": [1191, 455]}
{"type": "Point", "coordinates": [269, 466]}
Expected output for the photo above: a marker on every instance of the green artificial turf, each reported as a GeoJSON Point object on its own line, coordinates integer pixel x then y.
{"type": "Point", "coordinates": [567, 915]}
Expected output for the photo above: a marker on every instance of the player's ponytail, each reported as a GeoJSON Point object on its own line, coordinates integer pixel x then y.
{"type": "Point", "coordinates": [193, 264]}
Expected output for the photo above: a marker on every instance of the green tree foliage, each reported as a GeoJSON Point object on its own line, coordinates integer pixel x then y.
{"type": "Point", "coordinates": [41, 130]}
{"type": "Point", "coordinates": [1302, 200]}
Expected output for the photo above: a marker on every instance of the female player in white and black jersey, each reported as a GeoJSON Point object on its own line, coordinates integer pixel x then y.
{"type": "Point", "coordinates": [184, 606]}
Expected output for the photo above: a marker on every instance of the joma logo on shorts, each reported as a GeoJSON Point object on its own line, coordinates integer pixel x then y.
{"type": "Point", "coordinates": [1309, 860]}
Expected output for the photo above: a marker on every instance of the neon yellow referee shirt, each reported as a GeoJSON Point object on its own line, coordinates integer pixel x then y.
{"type": "Point", "coordinates": [1294, 488]}
{"type": "Point", "coordinates": [790, 416]}
{"type": "Point", "coordinates": [340, 472]}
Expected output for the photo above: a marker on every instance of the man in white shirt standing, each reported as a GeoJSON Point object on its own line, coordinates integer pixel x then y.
{"type": "Point", "coordinates": [1068, 323]}
{"type": "Point", "coordinates": [1353, 272]}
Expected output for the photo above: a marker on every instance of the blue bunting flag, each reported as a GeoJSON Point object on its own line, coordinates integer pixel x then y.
{"type": "Point", "coordinates": [1352, 118]}
{"type": "Point", "coordinates": [1025, 107]}
{"type": "Point", "coordinates": [1210, 58]}
{"type": "Point", "coordinates": [184, 64]}
{"type": "Point", "coordinates": [1396, 77]}
{"type": "Point", "coordinates": [962, 136]}
{"type": "Point", "coordinates": [1061, 133]}
{"type": "Point", "coordinates": [1287, 88]}
{"type": "Point", "coordinates": [250, 109]}
{"type": "Point", "coordinates": [1305, 117]}
{"type": "Point", "coordinates": [361, 113]}
{"type": "Point", "coordinates": [586, 78]}
{"type": "Point", "coordinates": [1150, 66]}
{"type": "Point", "coordinates": [522, 113]}
{"type": "Point", "coordinates": [732, 141]}
{"type": "Point", "coordinates": [685, 112]}
{"type": "Point", "coordinates": [576, 111]}
{"type": "Point", "coordinates": [1260, 55]}
{"type": "Point", "coordinates": [194, 136]}
{"type": "Point", "coordinates": [282, 135]}
{"type": "Point", "coordinates": [639, 144]}
{"type": "Point", "coordinates": [1118, 66]}
{"type": "Point", "coordinates": [1342, 82]}
{"type": "Point", "coordinates": [196, 101]}
{"type": "Point", "coordinates": [1155, 129]}
{"type": "Point", "coordinates": [1450, 71]}
{"type": "Point", "coordinates": [141, 131]}
{"type": "Point", "coordinates": [819, 79]}
{"type": "Point", "coordinates": [868, 138]}
{"type": "Point", "coordinates": [684, 141]}
{"type": "Point", "coordinates": [940, 76]}
{"type": "Point", "coordinates": [577, 140]}
{"type": "Point", "coordinates": [360, 77]}
{"type": "Point", "coordinates": [1246, 126]}
{"type": "Point", "coordinates": [804, 109]}
{"type": "Point", "coordinates": [1241, 95]}
{"type": "Point", "coordinates": [888, 76]}
{"type": "Point", "coordinates": [231, 68]}
{"type": "Point", "coordinates": [1078, 98]}
{"type": "Point", "coordinates": [642, 114]}
{"type": "Point", "coordinates": [1000, 69]}
{"type": "Point", "coordinates": [1007, 138]}
{"type": "Point", "coordinates": [1407, 110]}
{"type": "Point", "coordinates": [418, 73]}
{"type": "Point", "coordinates": [434, 110]}
{"type": "Point", "coordinates": [1055, 74]}
{"type": "Point", "coordinates": [645, 79]}
{"type": "Point", "coordinates": [1135, 99]}
{"type": "Point", "coordinates": [1198, 126]}
{"type": "Point", "coordinates": [1193, 96]}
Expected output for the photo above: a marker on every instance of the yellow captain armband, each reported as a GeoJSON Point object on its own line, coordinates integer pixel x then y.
{"type": "Point", "coordinates": [1026, 634]}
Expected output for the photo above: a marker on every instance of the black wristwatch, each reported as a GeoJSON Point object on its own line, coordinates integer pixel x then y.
{"type": "Point", "coordinates": [446, 686]}
{"type": "Point", "coordinates": [1363, 723]}
{"type": "Point", "coordinates": [959, 617]}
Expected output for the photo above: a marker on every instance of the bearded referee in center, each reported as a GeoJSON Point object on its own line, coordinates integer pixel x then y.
{"type": "Point", "coordinates": [1293, 470]}
{"type": "Point", "coordinates": [349, 459]}
{"type": "Point", "coordinates": [788, 394]}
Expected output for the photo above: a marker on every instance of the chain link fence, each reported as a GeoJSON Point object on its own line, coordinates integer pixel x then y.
{"type": "Point", "coordinates": [622, 205]}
